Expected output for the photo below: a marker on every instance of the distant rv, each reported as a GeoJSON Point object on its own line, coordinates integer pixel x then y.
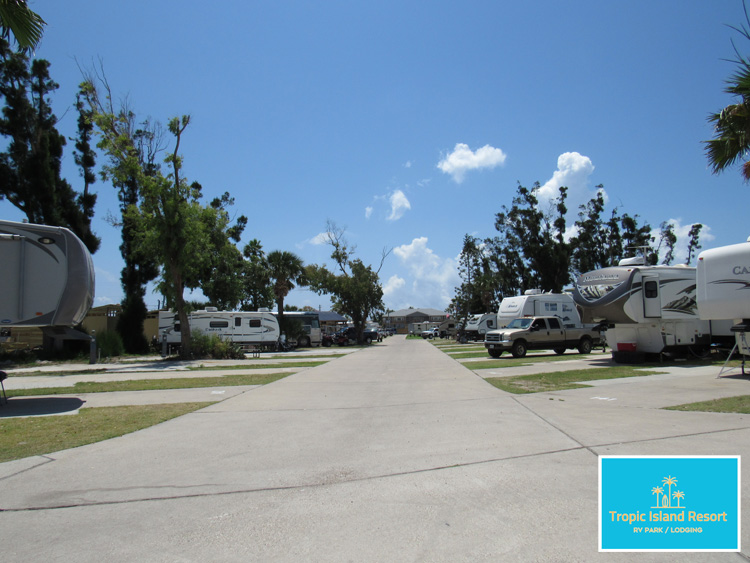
{"type": "Point", "coordinates": [48, 276]}
{"type": "Point", "coordinates": [723, 279]}
{"type": "Point", "coordinates": [243, 328]}
{"type": "Point", "coordinates": [534, 303]}
{"type": "Point", "coordinates": [646, 309]}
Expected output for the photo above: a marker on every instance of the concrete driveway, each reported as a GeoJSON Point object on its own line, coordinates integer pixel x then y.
{"type": "Point", "coordinates": [393, 453]}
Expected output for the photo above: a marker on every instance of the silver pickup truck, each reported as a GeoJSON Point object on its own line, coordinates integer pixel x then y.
{"type": "Point", "coordinates": [539, 333]}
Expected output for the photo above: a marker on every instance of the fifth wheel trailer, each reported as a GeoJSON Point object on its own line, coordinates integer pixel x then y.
{"type": "Point", "coordinates": [723, 288]}
{"type": "Point", "coordinates": [48, 276]}
{"type": "Point", "coordinates": [647, 309]}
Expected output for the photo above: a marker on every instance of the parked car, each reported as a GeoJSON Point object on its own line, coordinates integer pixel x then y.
{"type": "Point", "coordinates": [431, 333]}
{"type": "Point", "coordinates": [348, 335]}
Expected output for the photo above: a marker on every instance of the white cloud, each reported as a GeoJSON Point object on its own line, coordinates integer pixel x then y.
{"type": "Point", "coordinates": [430, 279]}
{"type": "Point", "coordinates": [393, 284]}
{"type": "Point", "coordinates": [573, 171]}
{"type": "Point", "coordinates": [407, 164]}
{"type": "Point", "coordinates": [319, 239]}
{"type": "Point", "coordinates": [399, 205]}
{"type": "Point", "coordinates": [462, 159]}
{"type": "Point", "coordinates": [368, 212]}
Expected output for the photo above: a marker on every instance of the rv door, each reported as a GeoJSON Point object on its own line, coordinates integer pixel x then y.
{"type": "Point", "coordinates": [651, 297]}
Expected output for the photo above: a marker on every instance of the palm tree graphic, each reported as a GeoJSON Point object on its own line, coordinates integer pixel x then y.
{"type": "Point", "coordinates": [657, 491]}
{"type": "Point", "coordinates": [678, 495]}
{"type": "Point", "coordinates": [669, 481]}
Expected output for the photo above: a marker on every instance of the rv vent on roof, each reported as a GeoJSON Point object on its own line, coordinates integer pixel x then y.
{"type": "Point", "coordinates": [211, 309]}
{"type": "Point", "coordinates": [533, 292]}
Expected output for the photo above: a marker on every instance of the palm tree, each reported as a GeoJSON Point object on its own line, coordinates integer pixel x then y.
{"type": "Point", "coordinates": [731, 142]}
{"type": "Point", "coordinates": [657, 491]}
{"type": "Point", "coordinates": [669, 481]}
{"type": "Point", "coordinates": [25, 25]}
{"type": "Point", "coordinates": [285, 269]}
{"type": "Point", "coordinates": [678, 495]}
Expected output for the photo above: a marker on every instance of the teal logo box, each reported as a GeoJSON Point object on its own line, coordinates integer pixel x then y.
{"type": "Point", "coordinates": [669, 503]}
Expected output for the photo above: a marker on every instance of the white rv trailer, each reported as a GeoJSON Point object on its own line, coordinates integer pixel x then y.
{"type": "Point", "coordinates": [243, 328]}
{"type": "Point", "coordinates": [534, 303]}
{"type": "Point", "coordinates": [647, 309]}
{"type": "Point", "coordinates": [48, 276]}
{"type": "Point", "coordinates": [723, 292]}
{"type": "Point", "coordinates": [478, 325]}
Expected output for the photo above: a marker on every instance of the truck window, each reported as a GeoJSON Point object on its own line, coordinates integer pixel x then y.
{"type": "Point", "coordinates": [553, 323]}
{"type": "Point", "coordinates": [490, 324]}
{"type": "Point", "coordinates": [538, 325]}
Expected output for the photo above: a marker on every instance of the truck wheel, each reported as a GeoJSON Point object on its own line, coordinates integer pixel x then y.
{"type": "Point", "coordinates": [495, 353]}
{"type": "Point", "coordinates": [584, 346]}
{"type": "Point", "coordinates": [304, 342]}
{"type": "Point", "coordinates": [559, 351]}
{"type": "Point", "coordinates": [519, 349]}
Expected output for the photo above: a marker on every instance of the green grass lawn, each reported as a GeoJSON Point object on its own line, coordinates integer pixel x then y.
{"type": "Point", "coordinates": [561, 380]}
{"type": "Point", "coordinates": [24, 437]}
{"type": "Point", "coordinates": [740, 405]}
{"type": "Point", "coordinates": [300, 364]}
{"type": "Point", "coordinates": [151, 384]}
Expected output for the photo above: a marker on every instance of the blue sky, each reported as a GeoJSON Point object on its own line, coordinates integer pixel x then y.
{"type": "Point", "coordinates": [411, 123]}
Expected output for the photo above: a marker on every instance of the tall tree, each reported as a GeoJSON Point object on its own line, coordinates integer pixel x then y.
{"type": "Point", "coordinates": [538, 237]}
{"type": "Point", "coordinates": [637, 239]}
{"type": "Point", "coordinates": [30, 167]}
{"type": "Point", "coordinates": [22, 22]}
{"type": "Point", "coordinates": [257, 290]}
{"type": "Point", "coordinates": [590, 245]}
{"type": "Point", "coordinates": [355, 287]}
{"type": "Point", "coordinates": [668, 238]}
{"type": "Point", "coordinates": [285, 270]}
{"type": "Point", "coordinates": [693, 241]}
{"type": "Point", "coordinates": [132, 148]}
{"type": "Point", "coordinates": [186, 238]}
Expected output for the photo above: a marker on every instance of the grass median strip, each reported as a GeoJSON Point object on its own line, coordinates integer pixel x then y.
{"type": "Point", "coordinates": [739, 405]}
{"type": "Point", "coordinates": [561, 380]}
{"type": "Point", "coordinates": [24, 437]}
{"type": "Point", "coordinates": [152, 384]}
{"type": "Point", "coordinates": [158, 368]}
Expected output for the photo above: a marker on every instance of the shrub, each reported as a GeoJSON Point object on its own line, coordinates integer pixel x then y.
{"type": "Point", "coordinates": [212, 346]}
{"type": "Point", "coordinates": [110, 344]}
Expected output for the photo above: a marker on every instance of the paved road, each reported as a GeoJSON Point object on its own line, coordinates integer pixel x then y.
{"type": "Point", "coordinates": [394, 453]}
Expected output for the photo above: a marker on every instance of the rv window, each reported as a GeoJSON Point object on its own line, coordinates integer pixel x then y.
{"type": "Point", "coordinates": [238, 321]}
{"type": "Point", "coordinates": [651, 289]}
{"type": "Point", "coordinates": [254, 323]}
{"type": "Point", "coordinates": [553, 323]}
{"type": "Point", "coordinates": [218, 324]}
{"type": "Point", "coordinates": [490, 324]}
{"type": "Point", "coordinates": [177, 327]}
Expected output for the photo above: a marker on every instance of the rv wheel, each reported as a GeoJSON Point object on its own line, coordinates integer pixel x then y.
{"type": "Point", "coordinates": [519, 349]}
{"type": "Point", "coordinates": [701, 352]}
